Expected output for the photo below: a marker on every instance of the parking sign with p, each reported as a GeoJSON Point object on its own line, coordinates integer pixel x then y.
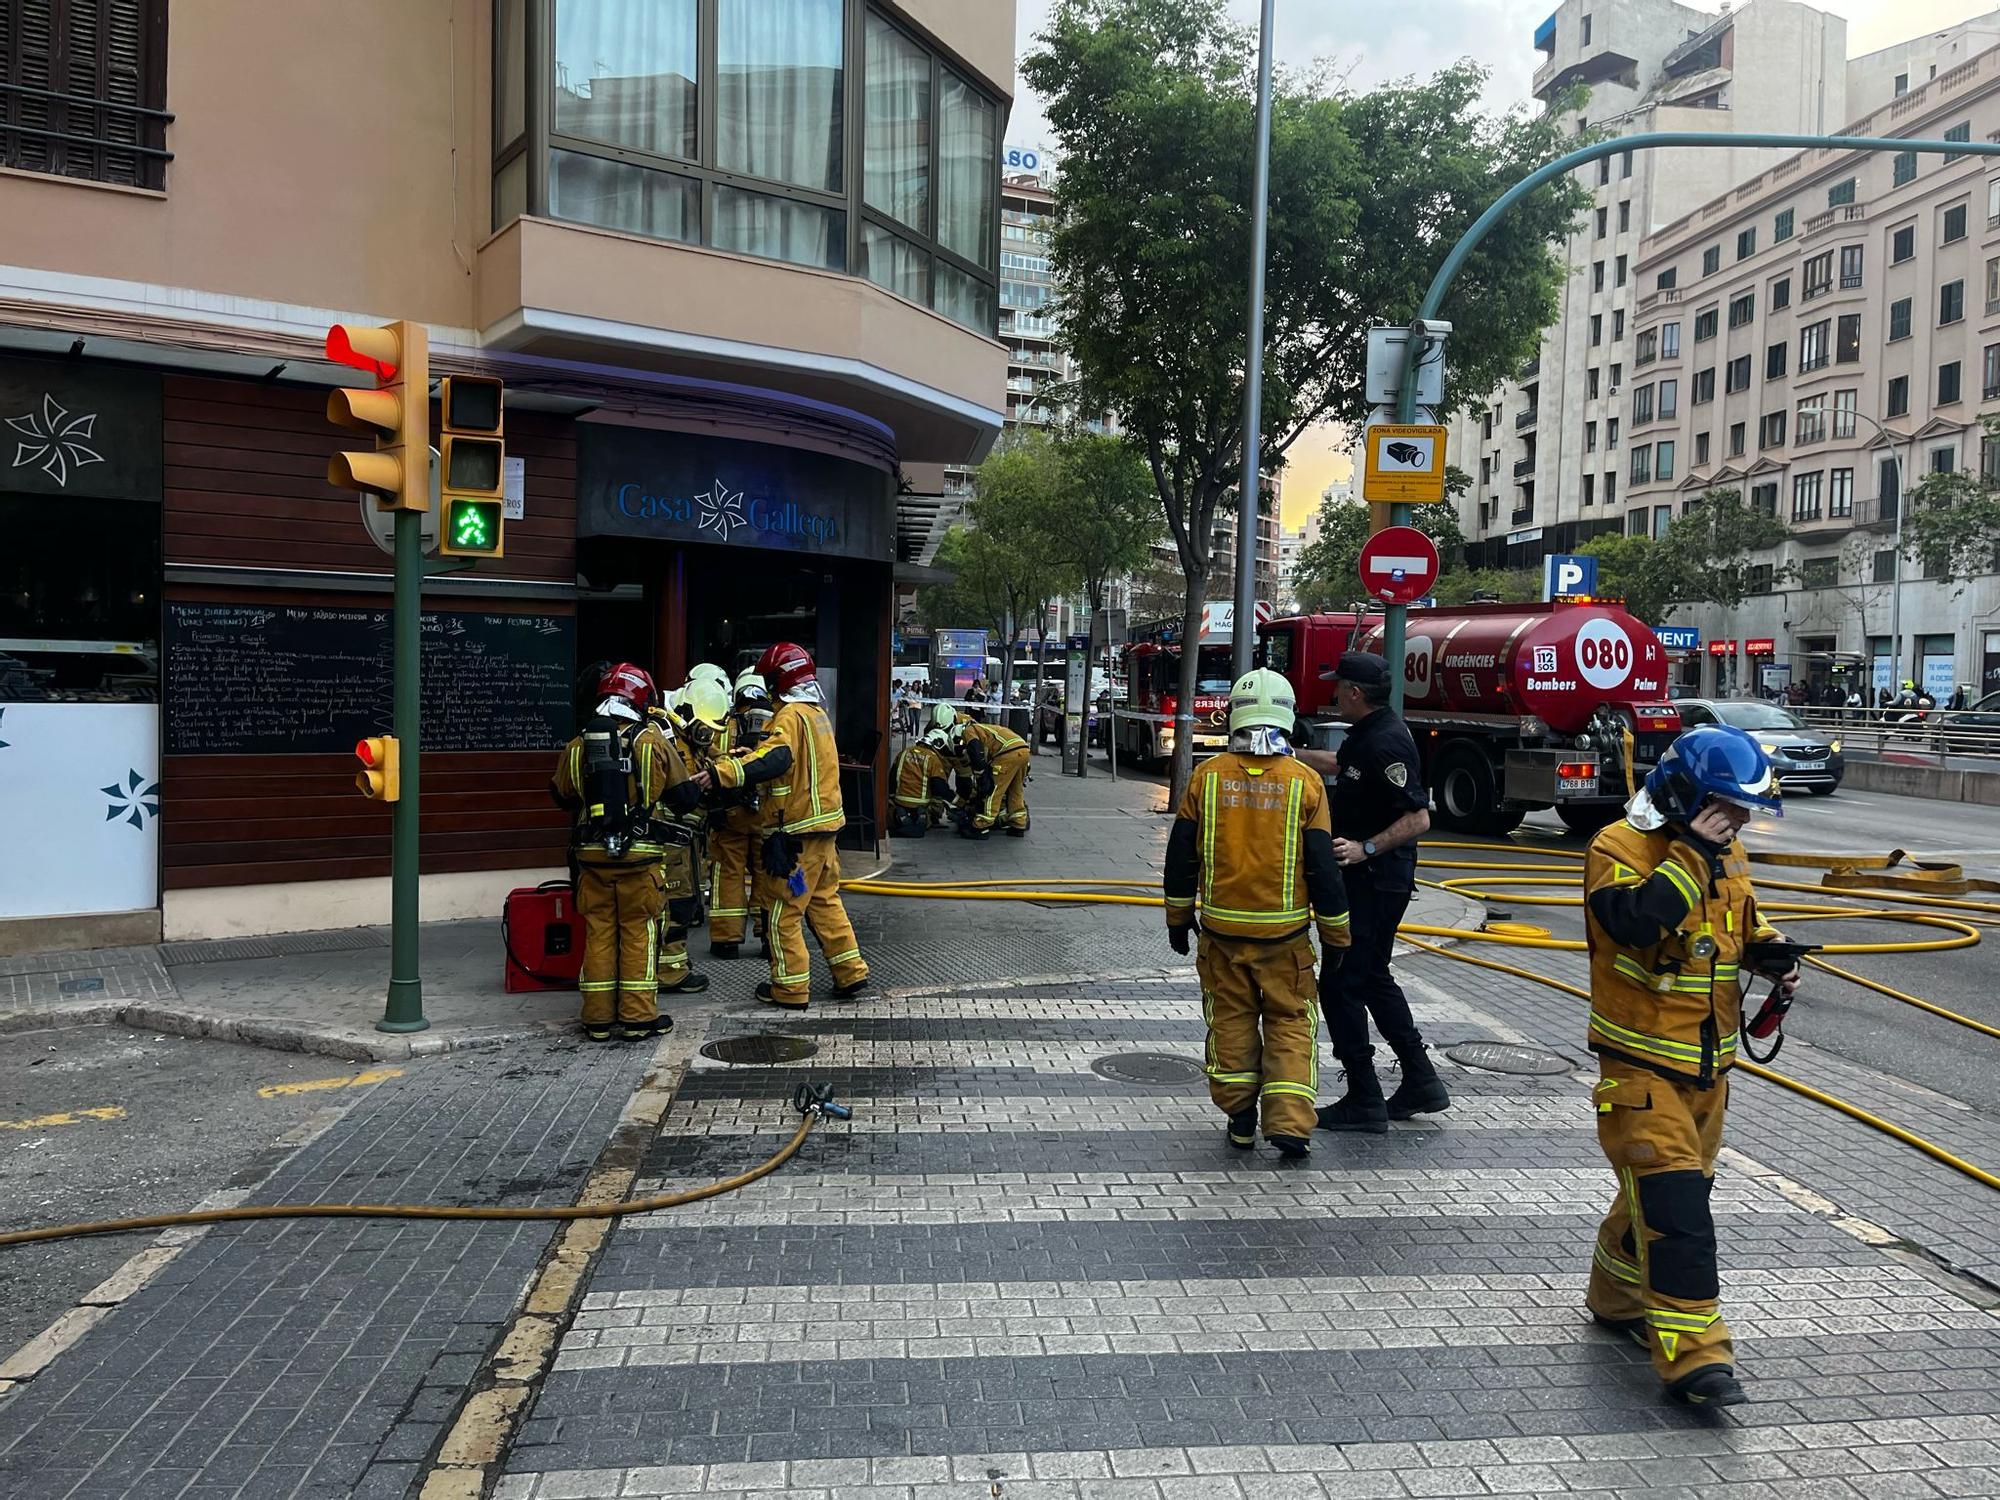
{"type": "Point", "coordinates": [1568, 575]}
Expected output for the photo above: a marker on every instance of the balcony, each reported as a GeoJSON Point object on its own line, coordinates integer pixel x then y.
{"type": "Point", "coordinates": [1523, 420]}
{"type": "Point", "coordinates": [1525, 469]}
{"type": "Point", "coordinates": [575, 292]}
{"type": "Point", "coordinates": [1872, 513]}
{"type": "Point", "coordinates": [1529, 370]}
{"type": "Point", "coordinates": [1665, 297]}
{"type": "Point", "coordinates": [1524, 515]}
{"type": "Point", "coordinates": [1597, 63]}
{"type": "Point", "coordinates": [1847, 213]}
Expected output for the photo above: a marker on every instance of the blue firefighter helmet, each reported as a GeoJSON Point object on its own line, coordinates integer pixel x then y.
{"type": "Point", "coordinates": [1714, 760]}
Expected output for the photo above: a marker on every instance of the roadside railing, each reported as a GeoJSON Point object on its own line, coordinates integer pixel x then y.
{"type": "Point", "coordinates": [1929, 736]}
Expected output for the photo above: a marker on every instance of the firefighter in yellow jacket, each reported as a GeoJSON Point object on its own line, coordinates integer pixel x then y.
{"type": "Point", "coordinates": [998, 760]}
{"type": "Point", "coordinates": [1252, 851]}
{"type": "Point", "coordinates": [923, 785]}
{"type": "Point", "coordinates": [797, 768]}
{"type": "Point", "coordinates": [734, 831]}
{"type": "Point", "coordinates": [695, 725]}
{"type": "Point", "coordinates": [1669, 914]}
{"type": "Point", "coordinates": [618, 778]}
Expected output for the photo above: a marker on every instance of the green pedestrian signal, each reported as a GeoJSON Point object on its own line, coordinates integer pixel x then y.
{"type": "Point", "coordinates": [473, 527]}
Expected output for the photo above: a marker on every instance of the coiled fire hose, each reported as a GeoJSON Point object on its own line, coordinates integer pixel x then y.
{"type": "Point", "coordinates": [815, 1104]}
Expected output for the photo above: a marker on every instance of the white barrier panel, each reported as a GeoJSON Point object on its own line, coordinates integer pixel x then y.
{"type": "Point", "coordinates": [79, 808]}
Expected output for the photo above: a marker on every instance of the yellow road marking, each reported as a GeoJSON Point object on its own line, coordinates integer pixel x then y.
{"type": "Point", "coordinates": [66, 1117]}
{"type": "Point", "coordinates": [314, 1085]}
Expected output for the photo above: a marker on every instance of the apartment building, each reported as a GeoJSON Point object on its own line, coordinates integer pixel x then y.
{"type": "Point", "coordinates": [738, 263]}
{"type": "Point", "coordinates": [1539, 467]}
{"type": "Point", "coordinates": [1821, 338]}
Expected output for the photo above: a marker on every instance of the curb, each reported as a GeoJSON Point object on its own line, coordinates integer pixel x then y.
{"type": "Point", "coordinates": [273, 1034]}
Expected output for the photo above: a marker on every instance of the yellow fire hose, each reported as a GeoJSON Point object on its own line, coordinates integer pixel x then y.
{"type": "Point", "coordinates": [1930, 883]}
{"type": "Point", "coordinates": [814, 1112]}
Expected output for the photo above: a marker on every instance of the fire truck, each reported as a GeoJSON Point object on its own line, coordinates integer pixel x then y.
{"type": "Point", "coordinates": [1515, 708]}
{"type": "Point", "coordinates": [1153, 674]}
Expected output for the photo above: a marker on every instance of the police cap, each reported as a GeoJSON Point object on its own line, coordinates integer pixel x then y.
{"type": "Point", "coordinates": [1363, 668]}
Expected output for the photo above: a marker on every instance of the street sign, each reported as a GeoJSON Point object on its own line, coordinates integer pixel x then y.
{"type": "Point", "coordinates": [1386, 347]}
{"type": "Point", "coordinates": [1398, 564]}
{"type": "Point", "coordinates": [1678, 637]}
{"type": "Point", "coordinates": [1568, 574]}
{"type": "Point", "coordinates": [1405, 465]}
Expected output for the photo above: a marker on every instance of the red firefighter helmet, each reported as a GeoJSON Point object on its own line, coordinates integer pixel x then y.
{"type": "Point", "coordinates": [785, 666]}
{"type": "Point", "coordinates": [633, 684]}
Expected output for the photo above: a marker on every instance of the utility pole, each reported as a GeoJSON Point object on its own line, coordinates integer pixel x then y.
{"type": "Point", "coordinates": [1250, 491]}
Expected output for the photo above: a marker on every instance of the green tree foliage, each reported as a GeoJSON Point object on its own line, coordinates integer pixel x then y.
{"type": "Point", "coordinates": [1152, 103]}
{"type": "Point", "coordinates": [1103, 518]}
{"type": "Point", "coordinates": [1953, 524]}
{"type": "Point", "coordinates": [1489, 585]}
{"type": "Point", "coordinates": [1328, 574]}
{"type": "Point", "coordinates": [1705, 557]}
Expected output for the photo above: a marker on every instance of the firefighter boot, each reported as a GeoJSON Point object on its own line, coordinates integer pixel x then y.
{"type": "Point", "coordinates": [724, 950]}
{"type": "Point", "coordinates": [1711, 1385]}
{"type": "Point", "coordinates": [1362, 1107]}
{"type": "Point", "coordinates": [1421, 1092]}
{"type": "Point", "coordinates": [1294, 1146]}
{"type": "Point", "coordinates": [1242, 1128]}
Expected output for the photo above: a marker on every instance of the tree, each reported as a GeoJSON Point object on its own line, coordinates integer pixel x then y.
{"type": "Point", "coordinates": [1489, 585]}
{"type": "Point", "coordinates": [1328, 573]}
{"type": "Point", "coordinates": [1705, 557]}
{"type": "Point", "coordinates": [1953, 524]}
{"type": "Point", "coordinates": [1152, 102]}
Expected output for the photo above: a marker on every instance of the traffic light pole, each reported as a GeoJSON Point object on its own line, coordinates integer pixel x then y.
{"type": "Point", "coordinates": [1406, 398]}
{"type": "Point", "coordinates": [405, 1008]}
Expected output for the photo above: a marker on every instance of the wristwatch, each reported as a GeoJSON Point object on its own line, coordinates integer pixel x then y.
{"type": "Point", "coordinates": [1368, 847]}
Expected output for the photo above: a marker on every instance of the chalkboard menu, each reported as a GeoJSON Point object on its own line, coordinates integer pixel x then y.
{"type": "Point", "coordinates": [281, 679]}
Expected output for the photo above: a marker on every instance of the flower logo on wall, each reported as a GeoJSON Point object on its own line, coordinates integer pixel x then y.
{"type": "Point", "coordinates": [55, 445]}
{"type": "Point", "coordinates": [129, 802]}
{"type": "Point", "coordinates": [721, 510]}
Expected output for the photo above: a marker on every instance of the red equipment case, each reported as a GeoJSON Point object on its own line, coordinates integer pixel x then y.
{"type": "Point", "coordinates": [542, 934]}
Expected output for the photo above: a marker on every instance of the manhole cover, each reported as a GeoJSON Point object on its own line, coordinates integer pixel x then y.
{"type": "Point", "coordinates": [1160, 1069]}
{"type": "Point", "coordinates": [89, 986]}
{"type": "Point", "coordinates": [1505, 1057]}
{"type": "Point", "coordinates": [764, 1049]}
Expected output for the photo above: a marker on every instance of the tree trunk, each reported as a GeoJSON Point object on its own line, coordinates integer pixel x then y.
{"type": "Point", "coordinates": [1183, 725]}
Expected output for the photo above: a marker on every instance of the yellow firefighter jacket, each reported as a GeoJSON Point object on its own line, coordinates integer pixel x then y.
{"type": "Point", "coordinates": [1251, 844]}
{"type": "Point", "coordinates": [657, 769]}
{"type": "Point", "coordinates": [983, 744]}
{"type": "Point", "coordinates": [1666, 927]}
{"type": "Point", "coordinates": [916, 768]}
{"type": "Point", "coordinates": [798, 767]}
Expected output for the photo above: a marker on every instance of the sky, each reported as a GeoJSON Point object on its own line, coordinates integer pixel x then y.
{"type": "Point", "coordinates": [1424, 36]}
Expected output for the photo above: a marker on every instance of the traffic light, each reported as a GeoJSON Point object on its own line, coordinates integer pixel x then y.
{"type": "Point", "coordinates": [396, 411]}
{"type": "Point", "coordinates": [472, 462]}
{"type": "Point", "coordinates": [381, 776]}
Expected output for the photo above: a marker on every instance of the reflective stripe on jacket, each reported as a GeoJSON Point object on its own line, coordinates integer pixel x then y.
{"type": "Point", "coordinates": [1251, 845]}
{"type": "Point", "coordinates": [993, 741]}
{"type": "Point", "coordinates": [656, 766]}
{"type": "Point", "coordinates": [916, 768]}
{"type": "Point", "coordinates": [1666, 930]}
{"type": "Point", "coordinates": [798, 766]}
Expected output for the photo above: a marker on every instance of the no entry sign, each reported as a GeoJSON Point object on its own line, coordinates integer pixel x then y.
{"type": "Point", "coordinates": [1398, 565]}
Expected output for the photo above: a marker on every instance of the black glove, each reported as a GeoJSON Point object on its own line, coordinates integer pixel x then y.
{"type": "Point", "coordinates": [940, 789]}
{"type": "Point", "coordinates": [1177, 937]}
{"type": "Point", "coordinates": [985, 788]}
{"type": "Point", "coordinates": [780, 853]}
{"type": "Point", "coordinates": [684, 797]}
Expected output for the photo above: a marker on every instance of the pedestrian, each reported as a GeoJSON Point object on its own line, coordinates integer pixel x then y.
{"type": "Point", "coordinates": [799, 765]}
{"type": "Point", "coordinates": [1669, 917]}
{"type": "Point", "coordinates": [1959, 696]}
{"type": "Point", "coordinates": [923, 786]}
{"type": "Point", "coordinates": [998, 760]}
{"type": "Point", "coordinates": [1379, 812]}
{"type": "Point", "coordinates": [1250, 865]}
{"type": "Point", "coordinates": [616, 778]}
{"type": "Point", "coordinates": [735, 833]}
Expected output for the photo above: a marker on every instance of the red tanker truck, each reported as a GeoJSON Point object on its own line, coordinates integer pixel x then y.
{"type": "Point", "coordinates": [1515, 707]}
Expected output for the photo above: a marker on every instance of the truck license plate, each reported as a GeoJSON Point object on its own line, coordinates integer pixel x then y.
{"type": "Point", "coordinates": [1585, 784]}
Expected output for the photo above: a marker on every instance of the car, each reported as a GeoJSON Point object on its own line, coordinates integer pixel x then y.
{"type": "Point", "coordinates": [1973, 730]}
{"type": "Point", "coordinates": [1805, 758]}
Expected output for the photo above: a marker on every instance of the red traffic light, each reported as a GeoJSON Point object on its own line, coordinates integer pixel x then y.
{"type": "Point", "coordinates": [370, 349]}
{"type": "Point", "coordinates": [364, 751]}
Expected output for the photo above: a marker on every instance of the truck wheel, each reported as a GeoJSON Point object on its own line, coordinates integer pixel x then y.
{"type": "Point", "coordinates": [1503, 822]}
{"type": "Point", "coordinates": [1585, 819]}
{"type": "Point", "coordinates": [1462, 786]}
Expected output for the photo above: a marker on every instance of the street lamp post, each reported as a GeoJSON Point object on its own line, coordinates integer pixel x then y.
{"type": "Point", "coordinates": [1454, 262]}
{"type": "Point", "coordinates": [1896, 565]}
{"type": "Point", "coordinates": [1251, 488]}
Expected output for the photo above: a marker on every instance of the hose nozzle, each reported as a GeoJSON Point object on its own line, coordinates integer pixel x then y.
{"type": "Point", "coordinates": [818, 1099]}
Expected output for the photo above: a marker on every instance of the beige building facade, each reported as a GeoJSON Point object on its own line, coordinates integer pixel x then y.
{"type": "Point", "coordinates": [737, 260]}
{"type": "Point", "coordinates": [1820, 338]}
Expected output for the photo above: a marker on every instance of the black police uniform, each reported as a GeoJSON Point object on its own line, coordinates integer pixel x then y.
{"type": "Point", "coordinates": [1379, 782]}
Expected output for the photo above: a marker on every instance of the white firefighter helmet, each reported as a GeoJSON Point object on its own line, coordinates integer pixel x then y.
{"type": "Point", "coordinates": [945, 717]}
{"type": "Point", "coordinates": [750, 687]}
{"type": "Point", "coordinates": [1261, 699]}
{"type": "Point", "coordinates": [708, 671]}
{"type": "Point", "coordinates": [938, 739]}
{"type": "Point", "coordinates": [705, 702]}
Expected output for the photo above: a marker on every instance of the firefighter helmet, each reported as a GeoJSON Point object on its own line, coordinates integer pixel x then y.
{"type": "Point", "coordinates": [1713, 760]}
{"type": "Point", "coordinates": [1261, 699]}
{"type": "Point", "coordinates": [705, 702]}
{"type": "Point", "coordinates": [750, 687]}
{"type": "Point", "coordinates": [628, 683]}
{"type": "Point", "coordinates": [785, 667]}
{"type": "Point", "coordinates": [938, 739]}
{"type": "Point", "coordinates": [708, 671]}
{"type": "Point", "coordinates": [944, 717]}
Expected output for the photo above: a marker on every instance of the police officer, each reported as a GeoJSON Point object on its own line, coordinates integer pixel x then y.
{"type": "Point", "coordinates": [1379, 812]}
{"type": "Point", "coordinates": [798, 767]}
{"type": "Point", "coordinates": [1668, 912]}
{"type": "Point", "coordinates": [923, 786]}
{"type": "Point", "coordinates": [733, 831]}
{"type": "Point", "coordinates": [998, 760]}
{"type": "Point", "coordinates": [616, 778]}
{"type": "Point", "coordinates": [1251, 845]}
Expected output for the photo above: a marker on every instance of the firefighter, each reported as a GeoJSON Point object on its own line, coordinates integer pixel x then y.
{"type": "Point", "coordinates": [733, 832]}
{"type": "Point", "coordinates": [1252, 843]}
{"type": "Point", "coordinates": [695, 725]}
{"type": "Point", "coordinates": [1379, 810]}
{"type": "Point", "coordinates": [923, 786]}
{"type": "Point", "coordinates": [998, 760]}
{"type": "Point", "coordinates": [798, 768]}
{"type": "Point", "coordinates": [1669, 909]}
{"type": "Point", "coordinates": [617, 778]}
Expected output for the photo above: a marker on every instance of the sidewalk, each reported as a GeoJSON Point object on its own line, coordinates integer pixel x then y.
{"type": "Point", "coordinates": [1029, 1267]}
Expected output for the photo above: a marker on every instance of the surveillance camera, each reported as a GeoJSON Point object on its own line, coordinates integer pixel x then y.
{"type": "Point", "coordinates": [1436, 328]}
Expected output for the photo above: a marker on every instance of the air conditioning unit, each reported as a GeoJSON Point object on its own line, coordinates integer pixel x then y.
{"type": "Point", "coordinates": [1614, 390]}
